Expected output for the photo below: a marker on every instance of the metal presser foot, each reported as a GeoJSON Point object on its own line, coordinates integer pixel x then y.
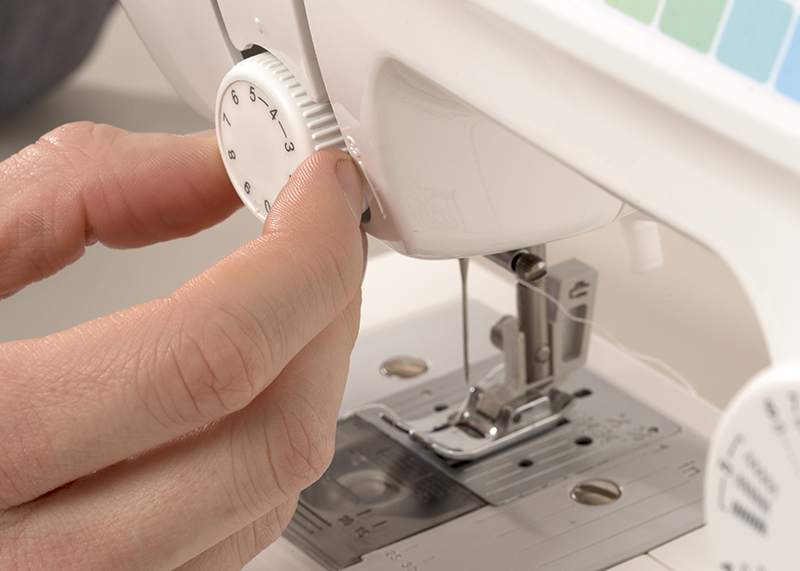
{"type": "Point", "coordinates": [541, 346]}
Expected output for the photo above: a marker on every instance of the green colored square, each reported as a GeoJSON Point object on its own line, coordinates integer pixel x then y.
{"type": "Point", "coordinates": [754, 35]}
{"type": "Point", "coordinates": [693, 22]}
{"type": "Point", "coordinates": [642, 10]}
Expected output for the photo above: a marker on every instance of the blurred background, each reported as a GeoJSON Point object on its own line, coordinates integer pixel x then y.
{"type": "Point", "coordinates": [691, 313]}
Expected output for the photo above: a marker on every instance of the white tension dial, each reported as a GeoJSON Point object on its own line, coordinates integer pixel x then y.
{"type": "Point", "coordinates": [753, 476]}
{"type": "Point", "coordinates": [266, 126]}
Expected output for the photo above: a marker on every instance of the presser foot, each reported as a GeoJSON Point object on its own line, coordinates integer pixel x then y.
{"type": "Point", "coordinates": [469, 434]}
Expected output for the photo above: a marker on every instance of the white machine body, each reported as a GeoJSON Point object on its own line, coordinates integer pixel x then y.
{"type": "Point", "coordinates": [486, 125]}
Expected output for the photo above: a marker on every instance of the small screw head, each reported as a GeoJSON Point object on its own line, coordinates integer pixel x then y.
{"type": "Point", "coordinates": [596, 493]}
{"type": "Point", "coordinates": [543, 354]}
{"type": "Point", "coordinates": [530, 268]}
{"type": "Point", "coordinates": [352, 147]}
{"type": "Point", "coordinates": [402, 368]}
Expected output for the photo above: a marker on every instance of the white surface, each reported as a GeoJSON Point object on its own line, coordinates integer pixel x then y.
{"type": "Point", "coordinates": [451, 179]}
{"type": "Point", "coordinates": [688, 553]}
{"type": "Point", "coordinates": [643, 563]}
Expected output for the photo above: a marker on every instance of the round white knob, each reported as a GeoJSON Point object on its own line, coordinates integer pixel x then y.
{"type": "Point", "coordinates": [753, 475]}
{"type": "Point", "coordinates": [266, 126]}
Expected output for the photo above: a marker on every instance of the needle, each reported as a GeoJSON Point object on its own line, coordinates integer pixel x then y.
{"type": "Point", "coordinates": [464, 265]}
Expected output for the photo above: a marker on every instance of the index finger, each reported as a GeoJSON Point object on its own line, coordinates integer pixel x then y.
{"type": "Point", "coordinates": [83, 183]}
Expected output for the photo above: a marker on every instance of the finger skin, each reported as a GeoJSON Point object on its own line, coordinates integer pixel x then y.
{"type": "Point", "coordinates": [91, 396]}
{"type": "Point", "coordinates": [236, 551]}
{"type": "Point", "coordinates": [83, 183]}
{"type": "Point", "coordinates": [168, 506]}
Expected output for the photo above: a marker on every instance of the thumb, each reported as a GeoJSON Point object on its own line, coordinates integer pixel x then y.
{"type": "Point", "coordinates": [290, 283]}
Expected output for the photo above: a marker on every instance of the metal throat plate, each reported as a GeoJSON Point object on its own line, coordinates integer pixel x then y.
{"type": "Point", "coordinates": [604, 424]}
{"type": "Point", "coordinates": [387, 500]}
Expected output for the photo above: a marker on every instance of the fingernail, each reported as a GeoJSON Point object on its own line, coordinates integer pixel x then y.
{"type": "Point", "coordinates": [350, 181]}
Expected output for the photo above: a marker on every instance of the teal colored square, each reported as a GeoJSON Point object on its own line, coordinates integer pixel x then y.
{"type": "Point", "coordinates": [788, 81]}
{"type": "Point", "coordinates": [753, 36]}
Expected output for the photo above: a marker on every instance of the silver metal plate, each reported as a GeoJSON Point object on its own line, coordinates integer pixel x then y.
{"type": "Point", "coordinates": [374, 493]}
{"type": "Point", "coordinates": [604, 424]}
{"type": "Point", "coordinates": [661, 499]}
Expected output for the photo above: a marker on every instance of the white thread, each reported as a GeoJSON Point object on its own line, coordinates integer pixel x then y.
{"type": "Point", "coordinates": [616, 342]}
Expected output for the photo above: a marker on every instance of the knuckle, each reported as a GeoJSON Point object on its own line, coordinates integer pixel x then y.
{"type": "Point", "coordinates": [51, 175]}
{"type": "Point", "coordinates": [77, 135]}
{"type": "Point", "coordinates": [79, 152]}
{"type": "Point", "coordinates": [215, 364]}
{"type": "Point", "coordinates": [300, 445]}
{"type": "Point", "coordinates": [70, 146]}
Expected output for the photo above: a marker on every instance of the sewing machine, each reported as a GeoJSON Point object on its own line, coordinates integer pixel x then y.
{"type": "Point", "coordinates": [492, 127]}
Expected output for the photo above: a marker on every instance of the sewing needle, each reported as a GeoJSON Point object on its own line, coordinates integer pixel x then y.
{"type": "Point", "coordinates": [464, 264]}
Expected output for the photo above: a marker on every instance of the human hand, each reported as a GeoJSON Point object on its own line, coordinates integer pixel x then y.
{"type": "Point", "coordinates": [180, 432]}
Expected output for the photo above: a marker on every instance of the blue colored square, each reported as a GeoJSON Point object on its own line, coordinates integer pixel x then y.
{"type": "Point", "coordinates": [788, 81]}
{"type": "Point", "coordinates": [753, 36]}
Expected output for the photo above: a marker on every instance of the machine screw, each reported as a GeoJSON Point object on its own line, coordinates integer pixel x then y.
{"type": "Point", "coordinates": [352, 146]}
{"type": "Point", "coordinates": [542, 354]}
{"type": "Point", "coordinates": [596, 493]}
{"type": "Point", "coordinates": [529, 267]}
{"type": "Point", "coordinates": [402, 368]}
